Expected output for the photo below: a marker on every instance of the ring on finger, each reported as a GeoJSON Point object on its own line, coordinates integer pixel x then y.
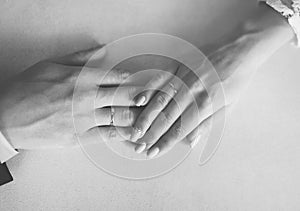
{"type": "Point", "coordinates": [112, 115]}
{"type": "Point", "coordinates": [173, 87]}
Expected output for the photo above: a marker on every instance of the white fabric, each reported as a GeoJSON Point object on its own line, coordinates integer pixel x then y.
{"type": "Point", "coordinates": [279, 6]}
{"type": "Point", "coordinates": [294, 21]}
{"type": "Point", "coordinates": [6, 150]}
{"type": "Point", "coordinates": [291, 12]}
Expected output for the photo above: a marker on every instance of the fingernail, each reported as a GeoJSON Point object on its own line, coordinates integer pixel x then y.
{"type": "Point", "coordinates": [194, 143]}
{"type": "Point", "coordinates": [135, 134]}
{"type": "Point", "coordinates": [140, 101]}
{"type": "Point", "coordinates": [101, 51]}
{"type": "Point", "coordinates": [152, 153]}
{"type": "Point", "coordinates": [140, 148]}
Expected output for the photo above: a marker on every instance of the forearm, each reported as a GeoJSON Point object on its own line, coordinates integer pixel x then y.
{"type": "Point", "coordinates": [269, 24]}
{"type": "Point", "coordinates": [262, 34]}
{"type": "Point", "coordinates": [269, 29]}
{"type": "Point", "coordinates": [246, 48]}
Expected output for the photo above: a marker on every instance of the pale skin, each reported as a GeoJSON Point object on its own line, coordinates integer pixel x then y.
{"type": "Point", "coordinates": [235, 59]}
{"type": "Point", "coordinates": [35, 106]}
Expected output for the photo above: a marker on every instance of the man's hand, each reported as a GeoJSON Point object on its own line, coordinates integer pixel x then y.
{"type": "Point", "coordinates": [36, 105]}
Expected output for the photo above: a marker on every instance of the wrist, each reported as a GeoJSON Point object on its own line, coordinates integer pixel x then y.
{"type": "Point", "coordinates": [265, 28]}
{"type": "Point", "coordinates": [267, 25]}
{"type": "Point", "coordinates": [257, 38]}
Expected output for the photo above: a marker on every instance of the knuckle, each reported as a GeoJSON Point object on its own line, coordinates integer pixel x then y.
{"type": "Point", "coordinates": [143, 120]}
{"type": "Point", "coordinates": [160, 76]}
{"type": "Point", "coordinates": [168, 117]}
{"type": "Point", "coordinates": [177, 131]}
{"type": "Point", "coordinates": [167, 143]}
{"type": "Point", "coordinates": [131, 92]}
{"type": "Point", "coordinates": [151, 137]}
{"type": "Point", "coordinates": [162, 100]}
{"type": "Point", "coordinates": [196, 85]}
{"type": "Point", "coordinates": [118, 75]}
{"type": "Point", "coordinates": [128, 115]}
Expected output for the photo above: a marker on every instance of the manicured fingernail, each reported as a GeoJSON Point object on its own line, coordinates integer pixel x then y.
{"type": "Point", "coordinates": [194, 142]}
{"type": "Point", "coordinates": [140, 148]}
{"type": "Point", "coordinates": [152, 153]}
{"type": "Point", "coordinates": [101, 51]}
{"type": "Point", "coordinates": [140, 101]}
{"type": "Point", "coordinates": [136, 133]}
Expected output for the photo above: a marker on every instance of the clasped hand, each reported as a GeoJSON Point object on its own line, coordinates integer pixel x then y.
{"type": "Point", "coordinates": [36, 105]}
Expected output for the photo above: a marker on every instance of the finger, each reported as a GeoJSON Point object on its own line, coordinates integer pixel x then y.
{"type": "Point", "coordinates": [190, 118]}
{"type": "Point", "coordinates": [111, 133]}
{"type": "Point", "coordinates": [200, 132]}
{"type": "Point", "coordinates": [107, 77]}
{"type": "Point", "coordinates": [182, 71]}
{"type": "Point", "coordinates": [130, 144]}
{"type": "Point", "coordinates": [104, 134]}
{"type": "Point", "coordinates": [122, 117]}
{"type": "Point", "coordinates": [166, 113]}
{"type": "Point", "coordinates": [116, 96]}
{"type": "Point", "coordinates": [165, 118]}
{"type": "Point", "coordinates": [113, 77]}
{"type": "Point", "coordinates": [156, 83]}
{"type": "Point", "coordinates": [160, 78]}
{"type": "Point", "coordinates": [154, 108]}
{"type": "Point", "coordinates": [190, 93]}
{"type": "Point", "coordinates": [80, 58]}
{"type": "Point", "coordinates": [95, 76]}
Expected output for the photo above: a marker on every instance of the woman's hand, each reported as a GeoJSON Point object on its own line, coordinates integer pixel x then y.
{"type": "Point", "coordinates": [36, 105]}
{"type": "Point", "coordinates": [182, 107]}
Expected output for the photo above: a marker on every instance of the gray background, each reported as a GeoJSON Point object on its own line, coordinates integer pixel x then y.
{"type": "Point", "coordinates": [257, 164]}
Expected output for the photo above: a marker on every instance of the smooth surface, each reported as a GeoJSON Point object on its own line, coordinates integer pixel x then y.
{"type": "Point", "coordinates": [257, 164]}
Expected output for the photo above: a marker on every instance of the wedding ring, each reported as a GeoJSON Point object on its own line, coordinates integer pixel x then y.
{"type": "Point", "coordinates": [173, 87]}
{"type": "Point", "coordinates": [112, 115]}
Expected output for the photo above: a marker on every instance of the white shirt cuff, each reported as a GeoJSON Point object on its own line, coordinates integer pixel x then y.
{"type": "Point", "coordinates": [6, 150]}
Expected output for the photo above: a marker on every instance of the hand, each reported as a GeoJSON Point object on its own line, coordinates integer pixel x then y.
{"type": "Point", "coordinates": [36, 105]}
{"type": "Point", "coordinates": [182, 107]}
{"type": "Point", "coordinates": [253, 42]}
